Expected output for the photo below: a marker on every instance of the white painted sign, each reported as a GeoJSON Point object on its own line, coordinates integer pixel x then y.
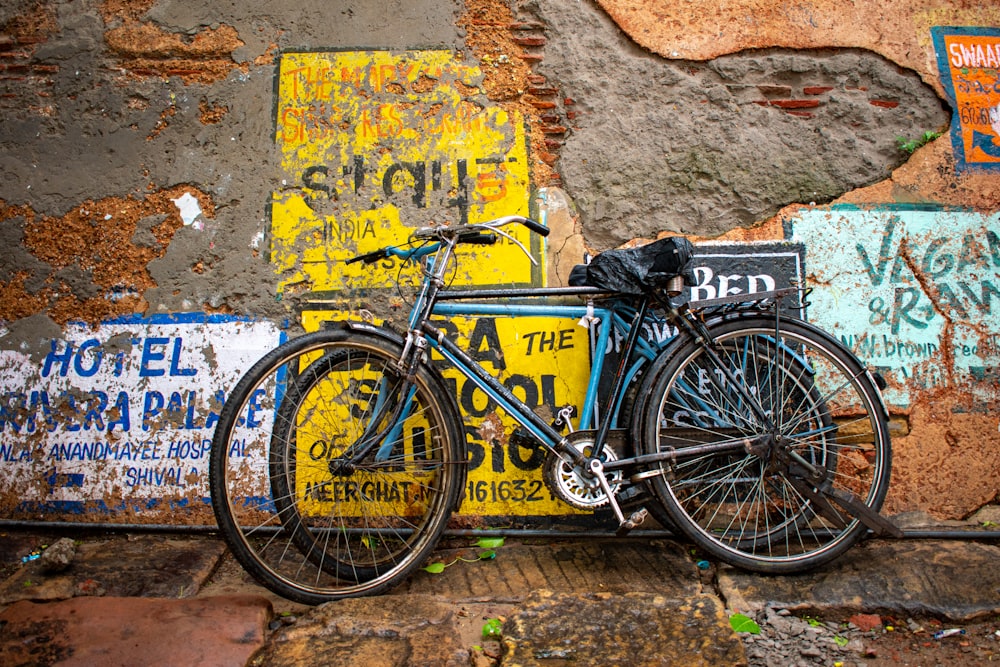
{"type": "Point", "coordinates": [120, 418]}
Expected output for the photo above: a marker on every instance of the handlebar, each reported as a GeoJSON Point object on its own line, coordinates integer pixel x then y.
{"type": "Point", "coordinates": [482, 233]}
{"type": "Point", "coordinates": [369, 258]}
{"type": "Point", "coordinates": [443, 232]}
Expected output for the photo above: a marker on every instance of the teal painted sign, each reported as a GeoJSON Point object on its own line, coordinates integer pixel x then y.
{"type": "Point", "coordinates": [915, 292]}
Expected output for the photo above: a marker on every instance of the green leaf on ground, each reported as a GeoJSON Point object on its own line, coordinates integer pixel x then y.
{"type": "Point", "coordinates": [743, 623]}
{"type": "Point", "coordinates": [490, 543]}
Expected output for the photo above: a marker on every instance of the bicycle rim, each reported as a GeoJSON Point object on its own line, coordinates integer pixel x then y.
{"type": "Point", "coordinates": [808, 421]}
{"type": "Point", "coordinates": [303, 508]}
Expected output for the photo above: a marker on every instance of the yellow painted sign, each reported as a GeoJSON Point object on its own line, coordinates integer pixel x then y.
{"type": "Point", "coordinates": [544, 361]}
{"type": "Point", "coordinates": [375, 144]}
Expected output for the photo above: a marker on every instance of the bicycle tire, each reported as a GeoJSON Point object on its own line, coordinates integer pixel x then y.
{"type": "Point", "coordinates": [299, 520]}
{"type": "Point", "coordinates": [755, 507]}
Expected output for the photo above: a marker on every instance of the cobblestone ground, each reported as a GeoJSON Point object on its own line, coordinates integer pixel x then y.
{"type": "Point", "coordinates": [869, 640]}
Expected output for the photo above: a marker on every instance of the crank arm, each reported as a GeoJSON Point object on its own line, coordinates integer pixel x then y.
{"type": "Point", "coordinates": [624, 525]}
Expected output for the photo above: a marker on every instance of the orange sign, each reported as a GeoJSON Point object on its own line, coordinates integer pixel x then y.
{"type": "Point", "coordinates": [969, 66]}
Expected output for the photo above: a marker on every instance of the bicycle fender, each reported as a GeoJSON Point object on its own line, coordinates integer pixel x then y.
{"type": "Point", "coordinates": [382, 332]}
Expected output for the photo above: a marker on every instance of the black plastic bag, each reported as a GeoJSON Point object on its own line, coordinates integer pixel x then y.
{"type": "Point", "coordinates": [637, 270]}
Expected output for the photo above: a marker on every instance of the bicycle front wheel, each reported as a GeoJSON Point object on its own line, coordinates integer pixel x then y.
{"type": "Point", "coordinates": [764, 433]}
{"type": "Point", "coordinates": [333, 475]}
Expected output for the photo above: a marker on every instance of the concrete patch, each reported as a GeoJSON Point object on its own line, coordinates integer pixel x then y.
{"type": "Point", "coordinates": [134, 631]}
{"type": "Point", "coordinates": [904, 578]}
{"type": "Point", "coordinates": [620, 630]}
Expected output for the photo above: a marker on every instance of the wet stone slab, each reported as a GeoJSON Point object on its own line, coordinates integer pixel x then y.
{"type": "Point", "coordinates": [954, 580]}
{"type": "Point", "coordinates": [121, 566]}
{"type": "Point", "coordinates": [620, 630]}
{"type": "Point", "coordinates": [82, 632]}
{"type": "Point", "coordinates": [370, 632]}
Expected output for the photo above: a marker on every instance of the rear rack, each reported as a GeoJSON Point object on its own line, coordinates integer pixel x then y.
{"type": "Point", "coordinates": [759, 301]}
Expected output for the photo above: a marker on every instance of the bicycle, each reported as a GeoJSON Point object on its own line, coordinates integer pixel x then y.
{"type": "Point", "coordinates": [755, 434]}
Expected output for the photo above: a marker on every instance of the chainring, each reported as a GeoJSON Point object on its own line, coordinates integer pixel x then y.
{"type": "Point", "coordinates": [572, 487]}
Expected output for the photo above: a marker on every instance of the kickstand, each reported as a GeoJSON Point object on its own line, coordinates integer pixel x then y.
{"type": "Point", "coordinates": [852, 504]}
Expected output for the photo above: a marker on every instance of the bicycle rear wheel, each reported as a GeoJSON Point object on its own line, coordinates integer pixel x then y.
{"type": "Point", "coordinates": [794, 420]}
{"type": "Point", "coordinates": [332, 475]}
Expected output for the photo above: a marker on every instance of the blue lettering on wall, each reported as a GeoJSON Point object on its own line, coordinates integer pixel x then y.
{"type": "Point", "coordinates": [94, 411]}
{"type": "Point", "coordinates": [160, 356]}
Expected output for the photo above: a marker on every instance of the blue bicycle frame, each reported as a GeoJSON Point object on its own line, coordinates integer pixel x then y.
{"type": "Point", "coordinates": [618, 317]}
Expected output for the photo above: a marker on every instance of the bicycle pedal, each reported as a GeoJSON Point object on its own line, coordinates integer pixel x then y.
{"type": "Point", "coordinates": [633, 521]}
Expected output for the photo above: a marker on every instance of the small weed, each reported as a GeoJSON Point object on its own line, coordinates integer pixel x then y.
{"type": "Point", "coordinates": [490, 544]}
{"type": "Point", "coordinates": [492, 628]}
{"type": "Point", "coordinates": [910, 145]}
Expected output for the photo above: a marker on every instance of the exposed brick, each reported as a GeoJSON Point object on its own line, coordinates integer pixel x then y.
{"type": "Point", "coordinates": [768, 89]}
{"type": "Point", "coordinates": [863, 89]}
{"type": "Point", "coordinates": [569, 101]}
{"type": "Point", "coordinates": [553, 129]}
{"type": "Point", "coordinates": [548, 158]}
{"type": "Point", "coordinates": [542, 104]}
{"type": "Point", "coordinates": [537, 79]}
{"type": "Point", "coordinates": [542, 92]}
{"type": "Point", "coordinates": [553, 144]}
{"type": "Point", "coordinates": [530, 41]}
{"type": "Point", "coordinates": [549, 118]}
{"type": "Point", "coordinates": [571, 115]}
{"type": "Point", "coordinates": [531, 57]}
{"type": "Point", "coordinates": [45, 68]}
{"type": "Point", "coordinates": [885, 104]}
{"type": "Point", "coordinates": [795, 104]}
{"type": "Point", "coordinates": [816, 90]}
{"type": "Point", "coordinates": [526, 26]}
{"type": "Point", "coordinates": [13, 68]}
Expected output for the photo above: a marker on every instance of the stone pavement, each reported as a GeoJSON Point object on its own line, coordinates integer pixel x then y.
{"type": "Point", "coordinates": [158, 599]}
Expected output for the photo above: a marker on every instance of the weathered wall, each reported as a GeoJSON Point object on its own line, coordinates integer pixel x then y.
{"type": "Point", "coordinates": [147, 176]}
